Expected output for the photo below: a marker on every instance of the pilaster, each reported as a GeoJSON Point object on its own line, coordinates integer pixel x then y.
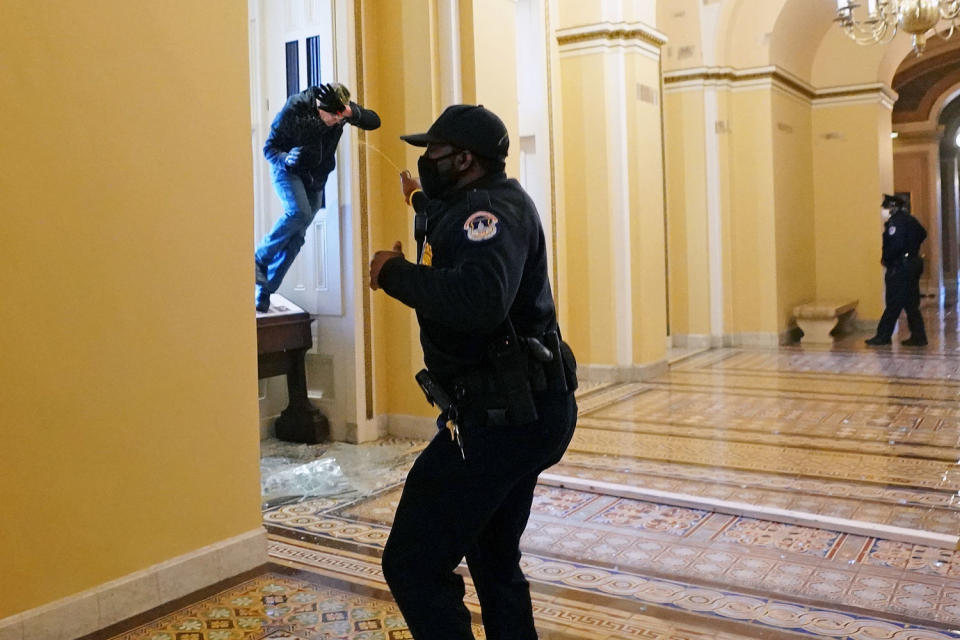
{"type": "Point", "coordinates": [613, 176]}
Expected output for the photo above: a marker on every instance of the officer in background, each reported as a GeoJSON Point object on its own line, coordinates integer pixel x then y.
{"type": "Point", "coordinates": [301, 149]}
{"type": "Point", "coordinates": [498, 371]}
{"type": "Point", "coordinates": [902, 236]}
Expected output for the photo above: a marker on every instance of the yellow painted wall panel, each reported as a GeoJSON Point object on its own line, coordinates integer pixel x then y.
{"type": "Point", "coordinates": [495, 74]}
{"type": "Point", "coordinates": [793, 205]}
{"type": "Point", "coordinates": [752, 247]}
{"type": "Point", "coordinates": [852, 166]}
{"type": "Point", "coordinates": [576, 13]}
{"type": "Point", "coordinates": [646, 198]}
{"type": "Point", "coordinates": [680, 21]}
{"type": "Point", "coordinates": [587, 223]}
{"type": "Point", "coordinates": [129, 351]}
{"type": "Point", "coordinates": [689, 270]}
{"type": "Point", "coordinates": [398, 58]}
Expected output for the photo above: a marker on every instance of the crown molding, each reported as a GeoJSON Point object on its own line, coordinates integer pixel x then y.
{"type": "Point", "coordinates": [775, 77]}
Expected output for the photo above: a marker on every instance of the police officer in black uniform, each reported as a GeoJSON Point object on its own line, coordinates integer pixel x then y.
{"type": "Point", "coordinates": [498, 371]}
{"type": "Point", "coordinates": [902, 236]}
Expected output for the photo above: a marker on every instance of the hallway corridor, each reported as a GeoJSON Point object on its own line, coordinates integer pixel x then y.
{"type": "Point", "coordinates": [804, 492]}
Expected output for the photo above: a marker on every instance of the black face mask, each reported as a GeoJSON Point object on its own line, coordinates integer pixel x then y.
{"type": "Point", "coordinates": [433, 182]}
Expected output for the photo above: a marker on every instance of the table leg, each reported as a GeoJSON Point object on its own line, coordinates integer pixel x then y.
{"type": "Point", "coordinates": [300, 421]}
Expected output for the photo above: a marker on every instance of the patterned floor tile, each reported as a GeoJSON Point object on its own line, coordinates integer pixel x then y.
{"type": "Point", "coordinates": [645, 538]}
{"type": "Point", "coordinates": [779, 536]}
{"type": "Point", "coordinates": [867, 437]}
{"type": "Point", "coordinates": [656, 603]}
{"type": "Point", "coordinates": [278, 606]}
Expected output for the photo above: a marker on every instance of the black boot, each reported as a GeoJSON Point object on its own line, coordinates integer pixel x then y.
{"type": "Point", "coordinates": [914, 342]}
{"type": "Point", "coordinates": [876, 341]}
{"type": "Point", "coordinates": [263, 301]}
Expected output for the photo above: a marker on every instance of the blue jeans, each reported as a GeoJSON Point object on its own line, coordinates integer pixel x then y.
{"type": "Point", "coordinates": [278, 248]}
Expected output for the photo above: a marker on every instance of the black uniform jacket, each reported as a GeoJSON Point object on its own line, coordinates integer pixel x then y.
{"type": "Point", "coordinates": [902, 236]}
{"type": "Point", "coordinates": [298, 125]}
{"type": "Point", "coordinates": [487, 258]}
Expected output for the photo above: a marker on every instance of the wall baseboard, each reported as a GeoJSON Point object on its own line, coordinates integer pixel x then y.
{"type": "Point", "coordinates": [614, 373]}
{"type": "Point", "coordinates": [140, 591]}
{"type": "Point", "coordinates": [692, 341]}
{"type": "Point", "coordinates": [747, 339]}
{"type": "Point", "coordinates": [417, 427]}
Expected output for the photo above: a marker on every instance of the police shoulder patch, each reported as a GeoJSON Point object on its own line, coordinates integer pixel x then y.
{"type": "Point", "coordinates": [481, 225]}
{"type": "Point", "coordinates": [892, 230]}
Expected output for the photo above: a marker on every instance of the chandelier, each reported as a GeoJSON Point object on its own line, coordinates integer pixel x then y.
{"type": "Point", "coordinates": [882, 18]}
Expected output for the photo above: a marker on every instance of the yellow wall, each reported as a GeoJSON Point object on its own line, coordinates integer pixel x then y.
{"type": "Point", "coordinates": [687, 213]}
{"type": "Point", "coordinates": [861, 64]}
{"type": "Point", "coordinates": [573, 13]}
{"type": "Point", "coordinates": [128, 342]}
{"type": "Point", "coordinates": [751, 227]}
{"type": "Point", "coordinates": [852, 160]}
{"type": "Point", "coordinates": [743, 39]}
{"type": "Point", "coordinates": [681, 20]}
{"type": "Point", "coordinates": [793, 205]}
{"type": "Point", "coordinates": [799, 24]}
{"type": "Point", "coordinates": [493, 73]}
{"type": "Point", "coordinates": [647, 238]}
{"type": "Point", "coordinates": [402, 92]}
{"type": "Point", "coordinates": [587, 230]}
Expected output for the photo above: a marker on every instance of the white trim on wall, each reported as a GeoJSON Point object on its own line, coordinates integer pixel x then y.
{"type": "Point", "coordinates": [140, 591]}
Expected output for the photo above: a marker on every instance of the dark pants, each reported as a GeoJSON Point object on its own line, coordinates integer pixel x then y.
{"type": "Point", "coordinates": [902, 294]}
{"type": "Point", "coordinates": [478, 509]}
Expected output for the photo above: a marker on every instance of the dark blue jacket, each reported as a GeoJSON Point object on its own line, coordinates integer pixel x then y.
{"type": "Point", "coordinates": [299, 125]}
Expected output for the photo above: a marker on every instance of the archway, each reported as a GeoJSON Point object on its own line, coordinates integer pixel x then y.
{"type": "Point", "coordinates": [924, 157]}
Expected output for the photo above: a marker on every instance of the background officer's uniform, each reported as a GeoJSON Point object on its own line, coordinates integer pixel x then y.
{"type": "Point", "coordinates": [902, 237]}
{"type": "Point", "coordinates": [487, 259]}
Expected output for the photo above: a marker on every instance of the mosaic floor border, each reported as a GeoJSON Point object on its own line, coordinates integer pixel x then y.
{"type": "Point", "coordinates": [765, 493]}
{"type": "Point", "coordinates": [760, 613]}
{"type": "Point", "coordinates": [900, 471]}
{"type": "Point", "coordinates": [893, 425]}
{"type": "Point", "coordinates": [841, 574]}
{"type": "Point", "coordinates": [923, 369]}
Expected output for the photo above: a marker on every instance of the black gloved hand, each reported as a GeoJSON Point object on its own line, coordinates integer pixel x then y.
{"type": "Point", "coordinates": [333, 97]}
{"type": "Point", "coordinates": [292, 158]}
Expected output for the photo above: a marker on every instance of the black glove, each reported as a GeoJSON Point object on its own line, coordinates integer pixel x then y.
{"type": "Point", "coordinates": [333, 97]}
{"type": "Point", "coordinates": [292, 159]}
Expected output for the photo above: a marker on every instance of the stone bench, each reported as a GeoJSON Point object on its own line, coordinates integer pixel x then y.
{"type": "Point", "coordinates": [819, 318]}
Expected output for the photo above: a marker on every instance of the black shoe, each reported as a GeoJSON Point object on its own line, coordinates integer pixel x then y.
{"type": "Point", "coordinates": [877, 341]}
{"type": "Point", "coordinates": [263, 303]}
{"type": "Point", "coordinates": [914, 342]}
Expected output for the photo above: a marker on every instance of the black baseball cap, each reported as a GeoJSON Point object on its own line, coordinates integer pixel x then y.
{"type": "Point", "coordinates": [467, 126]}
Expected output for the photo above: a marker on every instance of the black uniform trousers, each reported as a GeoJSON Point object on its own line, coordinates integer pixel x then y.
{"type": "Point", "coordinates": [902, 283]}
{"type": "Point", "coordinates": [476, 508]}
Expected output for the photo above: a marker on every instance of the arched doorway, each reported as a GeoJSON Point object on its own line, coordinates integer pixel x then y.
{"type": "Point", "coordinates": [925, 154]}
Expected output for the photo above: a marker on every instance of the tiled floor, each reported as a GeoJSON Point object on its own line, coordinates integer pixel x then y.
{"type": "Point", "coordinates": [803, 492]}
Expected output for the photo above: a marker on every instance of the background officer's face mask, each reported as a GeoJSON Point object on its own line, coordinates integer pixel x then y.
{"type": "Point", "coordinates": [885, 214]}
{"type": "Point", "coordinates": [434, 182]}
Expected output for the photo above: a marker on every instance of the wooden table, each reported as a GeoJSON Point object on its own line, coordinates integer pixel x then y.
{"type": "Point", "coordinates": [283, 337]}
